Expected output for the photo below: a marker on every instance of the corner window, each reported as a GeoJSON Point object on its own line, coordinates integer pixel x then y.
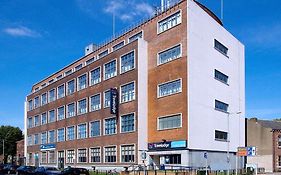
{"type": "Point", "coordinates": [220, 47]}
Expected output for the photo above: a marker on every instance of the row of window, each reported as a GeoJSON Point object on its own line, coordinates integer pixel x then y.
{"type": "Point", "coordinates": [85, 155]}
{"type": "Point", "coordinates": [127, 63]}
{"type": "Point", "coordinates": [127, 124]}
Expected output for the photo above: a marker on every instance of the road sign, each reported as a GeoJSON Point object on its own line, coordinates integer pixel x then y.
{"type": "Point", "coordinates": [251, 151]}
{"type": "Point", "coordinates": [242, 151]}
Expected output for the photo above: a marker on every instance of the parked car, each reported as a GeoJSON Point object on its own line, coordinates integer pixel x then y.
{"type": "Point", "coordinates": [25, 170]}
{"type": "Point", "coordinates": [75, 171]}
{"type": "Point", "coordinates": [2, 167]}
{"type": "Point", "coordinates": [47, 171]}
{"type": "Point", "coordinates": [10, 169]}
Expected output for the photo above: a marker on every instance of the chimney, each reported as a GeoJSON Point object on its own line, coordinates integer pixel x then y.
{"type": "Point", "coordinates": [90, 48]}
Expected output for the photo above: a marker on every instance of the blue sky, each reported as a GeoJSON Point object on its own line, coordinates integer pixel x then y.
{"type": "Point", "coordinates": [39, 37]}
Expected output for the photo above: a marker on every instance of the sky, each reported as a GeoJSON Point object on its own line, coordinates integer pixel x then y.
{"type": "Point", "coordinates": [39, 37]}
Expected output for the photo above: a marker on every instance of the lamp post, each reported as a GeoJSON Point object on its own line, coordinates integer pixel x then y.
{"type": "Point", "coordinates": [228, 141]}
{"type": "Point", "coordinates": [3, 142]}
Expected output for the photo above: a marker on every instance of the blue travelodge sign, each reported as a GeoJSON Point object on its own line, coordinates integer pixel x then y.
{"type": "Point", "coordinates": [168, 145]}
{"type": "Point", "coordinates": [47, 147]}
{"type": "Point", "coordinates": [113, 101]}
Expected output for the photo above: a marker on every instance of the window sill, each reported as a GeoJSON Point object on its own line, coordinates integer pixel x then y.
{"type": "Point", "coordinates": [221, 110]}
{"type": "Point", "coordinates": [221, 140]}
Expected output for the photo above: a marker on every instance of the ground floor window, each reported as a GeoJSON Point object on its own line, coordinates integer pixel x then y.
{"type": "Point", "coordinates": [95, 154]}
{"type": "Point", "coordinates": [30, 161]}
{"type": "Point", "coordinates": [52, 157]}
{"type": "Point", "coordinates": [173, 159]}
{"type": "Point", "coordinates": [70, 156]}
{"type": "Point", "coordinates": [82, 155]}
{"type": "Point", "coordinates": [110, 154]}
{"type": "Point", "coordinates": [279, 161]}
{"type": "Point", "coordinates": [127, 153]}
{"type": "Point", "coordinates": [43, 157]}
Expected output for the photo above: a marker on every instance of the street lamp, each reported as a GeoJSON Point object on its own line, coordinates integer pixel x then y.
{"type": "Point", "coordinates": [228, 141]}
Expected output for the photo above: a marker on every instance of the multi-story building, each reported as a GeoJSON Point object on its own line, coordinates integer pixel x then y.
{"type": "Point", "coordinates": [265, 135]}
{"type": "Point", "coordinates": [180, 83]}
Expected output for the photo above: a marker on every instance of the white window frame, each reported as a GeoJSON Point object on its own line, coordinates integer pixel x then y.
{"type": "Point", "coordinates": [77, 81]}
{"type": "Point", "coordinates": [42, 98]}
{"type": "Point", "coordinates": [115, 126]}
{"type": "Point", "coordinates": [141, 31]}
{"type": "Point", "coordinates": [179, 11]}
{"type": "Point", "coordinates": [120, 92]}
{"type": "Point", "coordinates": [75, 113]}
{"type": "Point", "coordinates": [104, 98]}
{"type": "Point", "coordinates": [120, 62]}
{"type": "Point", "coordinates": [77, 134]}
{"type": "Point", "coordinates": [104, 153]}
{"type": "Point", "coordinates": [39, 124]}
{"type": "Point", "coordinates": [90, 103]}
{"type": "Point", "coordinates": [90, 157]}
{"type": "Point", "coordinates": [54, 136]}
{"type": "Point", "coordinates": [77, 107]}
{"type": "Point", "coordinates": [49, 95]}
{"type": "Point", "coordinates": [167, 83]}
{"type": "Point", "coordinates": [42, 117]}
{"type": "Point", "coordinates": [67, 139]}
{"type": "Point", "coordinates": [165, 116]}
{"type": "Point", "coordinates": [66, 87]}
{"type": "Point", "coordinates": [47, 137]}
{"type": "Point", "coordinates": [87, 155]}
{"type": "Point", "coordinates": [90, 76]}
{"type": "Point", "coordinates": [57, 114]}
{"type": "Point", "coordinates": [58, 135]}
{"type": "Point", "coordinates": [39, 100]}
{"type": "Point", "coordinates": [49, 116]}
{"type": "Point", "coordinates": [120, 152]}
{"type": "Point", "coordinates": [116, 71]}
{"type": "Point", "coordinates": [90, 128]}
{"type": "Point", "coordinates": [123, 41]}
{"type": "Point", "coordinates": [180, 56]}
{"type": "Point", "coordinates": [120, 123]}
{"type": "Point", "coordinates": [58, 91]}
{"type": "Point", "coordinates": [98, 55]}
{"type": "Point", "coordinates": [74, 158]}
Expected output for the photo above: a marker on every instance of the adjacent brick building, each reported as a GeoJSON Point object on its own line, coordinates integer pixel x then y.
{"type": "Point", "coordinates": [180, 82]}
{"type": "Point", "coordinates": [20, 152]}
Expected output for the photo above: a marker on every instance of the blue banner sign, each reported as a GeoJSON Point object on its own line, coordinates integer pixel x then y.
{"type": "Point", "coordinates": [168, 145]}
{"type": "Point", "coordinates": [113, 101]}
{"type": "Point", "coordinates": [47, 147]}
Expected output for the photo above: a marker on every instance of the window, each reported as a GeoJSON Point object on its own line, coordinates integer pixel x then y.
{"type": "Point", "coordinates": [44, 138]}
{"type": "Point", "coordinates": [44, 118]}
{"type": "Point", "coordinates": [220, 47]}
{"type": "Point", "coordinates": [30, 107]}
{"type": "Point", "coordinates": [71, 110]}
{"type": "Point", "coordinates": [52, 117]}
{"type": "Point", "coordinates": [95, 76]}
{"type": "Point", "coordinates": [82, 106]}
{"type": "Point", "coordinates": [51, 157]}
{"type": "Point", "coordinates": [43, 85]}
{"type": "Point", "coordinates": [68, 72]}
{"type": "Point", "coordinates": [36, 102]}
{"type": "Point", "coordinates": [78, 67]}
{"type": "Point", "coordinates": [110, 154]}
{"type": "Point", "coordinates": [169, 88]}
{"type": "Point", "coordinates": [95, 102]}
{"type": "Point", "coordinates": [279, 141]}
{"type": "Point", "coordinates": [221, 77]}
{"type": "Point", "coordinates": [43, 157]}
{"type": "Point", "coordinates": [29, 122]}
{"type": "Point", "coordinates": [70, 87]}
{"type": "Point", "coordinates": [71, 133]}
{"type": "Point", "coordinates": [169, 55]}
{"type": "Point", "coordinates": [110, 126]}
{"type": "Point", "coordinates": [82, 155]}
{"type": "Point", "coordinates": [279, 161]}
{"type": "Point", "coordinates": [128, 153]}
{"type": "Point", "coordinates": [221, 106]}
{"type": "Point", "coordinates": [135, 37]}
{"type": "Point", "coordinates": [61, 135]}
{"type": "Point", "coordinates": [220, 135]}
{"type": "Point", "coordinates": [36, 120]}
{"type": "Point", "coordinates": [52, 137]}
{"type": "Point", "coordinates": [118, 46]}
{"type": "Point", "coordinates": [173, 159]}
{"type": "Point", "coordinates": [103, 54]}
{"type": "Point", "coordinates": [128, 123]}
{"type": "Point", "coordinates": [169, 22]}
{"type": "Point", "coordinates": [59, 77]}
{"type": "Point", "coordinates": [51, 81]}
{"type": "Point", "coordinates": [52, 95]}
{"type": "Point", "coordinates": [95, 154]}
{"type": "Point", "coordinates": [169, 122]}
{"type": "Point", "coordinates": [128, 92]}
{"type": "Point", "coordinates": [30, 158]}
{"type": "Point", "coordinates": [44, 99]}
{"type": "Point", "coordinates": [29, 140]}
{"type": "Point", "coordinates": [36, 139]}
{"type": "Point", "coordinates": [82, 82]}
{"type": "Point", "coordinates": [61, 113]}
{"type": "Point", "coordinates": [70, 156]}
{"type": "Point", "coordinates": [106, 102]}
{"type": "Point", "coordinates": [127, 62]}
{"type": "Point", "coordinates": [110, 70]}
{"type": "Point", "coordinates": [82, 131]}
{"type": "Point", "coordinates": [95, 128]}
{"type": "Point", "coordinates": [91, 60]}
{"type": "Point", "coordinates": [61, 91]}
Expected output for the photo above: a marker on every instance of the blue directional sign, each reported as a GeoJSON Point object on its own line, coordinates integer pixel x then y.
{"type": "Point", "coordinates": [46, 147]}
{"type": "Point", "coordinates": [251, 151]}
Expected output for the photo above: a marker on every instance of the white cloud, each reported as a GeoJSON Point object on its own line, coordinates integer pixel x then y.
{"type": "Point", "coordinates": [21, 31]}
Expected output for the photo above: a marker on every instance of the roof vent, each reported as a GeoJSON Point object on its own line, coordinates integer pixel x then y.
{"type": "Point", "coordinates": [90, 48]}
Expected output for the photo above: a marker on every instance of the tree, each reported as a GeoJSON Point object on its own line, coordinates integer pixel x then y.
{"type": "Point", "coordinates": [10, 135]}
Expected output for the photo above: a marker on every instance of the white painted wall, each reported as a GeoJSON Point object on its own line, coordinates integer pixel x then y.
{"type": "Point", "coordinates": [142, 97]}
{"type": "Point", "coordinates": [203, 89]}
{"type": "Point", "coordinates": [264, 161]}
